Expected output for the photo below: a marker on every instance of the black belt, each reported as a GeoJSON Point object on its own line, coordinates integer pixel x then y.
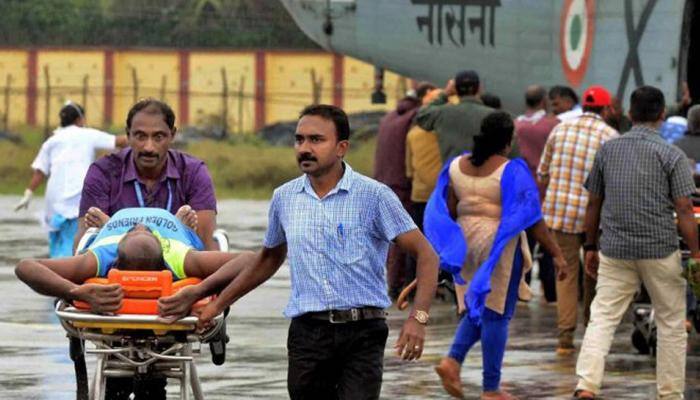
{"type": "Point", "coordinates": [343, 316]}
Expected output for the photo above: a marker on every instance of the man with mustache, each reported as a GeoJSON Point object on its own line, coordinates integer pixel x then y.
{"type": "Point", "coordinates": [148, 173]}
{"type": "Point", "coordinates": [335, 225]}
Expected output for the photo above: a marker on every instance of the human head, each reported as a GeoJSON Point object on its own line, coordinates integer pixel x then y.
{"type": "Point", "coordinates": [535, 97]}
{"type": "Point", "coordinates": [615, 114]}
{"type": "Point", "coordinates": [491, 100]}
{"type": "Point", "coordinates": [423, 89]}
{"type": "Point", "coordinates": [430, 96]}
{"type": "Point", "coordinates": [562, 99]}
{"type": "Point", "coordinates": [694, 120]}
{"type": "Point", "coordinates": [321, 138]}
{"type": "Point", "coordinates": [596, 99]}
{"type": "Point", "coordinates": [72, 114]}
{"type": "Point", "coordinates": [647, 105]}
{"type": "Point", "coordinates": [495, 137]}
{"type": "Point", "coordinates": [150, 129]}
{"type": "Point", "coordinates": [140, 250]}
{"type": "Point", "coordinates": [467, 83]}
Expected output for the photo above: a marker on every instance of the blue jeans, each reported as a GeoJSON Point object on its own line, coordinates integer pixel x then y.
{"type": "Point", "coordinates": [61, 240]}
{"type": "Point", "coordinates": [493, 332]}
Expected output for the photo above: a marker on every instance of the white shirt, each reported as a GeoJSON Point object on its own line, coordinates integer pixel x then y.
{"type": "Point", "coordinates": [575, 112]}
{"type": "Point", "coordinates": [65, 158]}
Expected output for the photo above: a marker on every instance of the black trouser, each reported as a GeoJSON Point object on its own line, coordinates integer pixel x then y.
{"type": "Point", "coordinates": [547, 274]}
{"type": "Point", "coordinates": [144, 389]}
{"type": "Point", "coordinates": [335, 361]}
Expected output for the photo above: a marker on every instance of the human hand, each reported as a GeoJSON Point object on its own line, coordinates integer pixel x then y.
{"type": "Point", "coordinates": [95, 218]}
{"type": "Point", "coordinates": [103, 299]}
{"type": "Point", "coordinates": [685, 95]}
{"type": "Point", "coordinates": [450, 89]}
{"type": "Point", "coordinates": [206, 316]}
{"type": "Point", "coordinates": [177, 306]}
{"type": "Point", "coordinates": [409, 345]}
{"type": "Point", "coordinates": [26, 199]}
{"type": "Point", "coordinates": [560, 267]}
{"type": "Point", "coordinates": [592, 262]}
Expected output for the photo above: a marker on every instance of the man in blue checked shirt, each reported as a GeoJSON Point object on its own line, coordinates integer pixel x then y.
{"type": "Point", "coordinates": [336, 226]}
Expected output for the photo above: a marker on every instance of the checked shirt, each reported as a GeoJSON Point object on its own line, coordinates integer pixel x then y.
{"type": "Point", "coordinates": [639, 175]}
{"type": "Point", "coordinates": [337, 246]}
{"type": "Point", "coordinates": [567, 158]}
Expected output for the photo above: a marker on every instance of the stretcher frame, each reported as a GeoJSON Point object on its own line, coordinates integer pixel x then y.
{"type": "Point", "coordinates": [128, 345]}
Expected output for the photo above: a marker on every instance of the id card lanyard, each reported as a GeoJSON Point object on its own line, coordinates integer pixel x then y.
{"type": "Point", "coordinates": [139, 195]}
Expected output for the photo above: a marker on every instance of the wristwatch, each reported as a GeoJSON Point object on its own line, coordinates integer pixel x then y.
{"type": "Point", "coordinates": [590, 247]}
{"type": "Point", "coordinates": [421, 316]}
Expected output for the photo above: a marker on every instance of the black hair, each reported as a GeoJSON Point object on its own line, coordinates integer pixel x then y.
{"type": "Point", "coordinates": [423, 88]}
{"type": "Point", "coordinates": [534, 96]}
{"type": "Point", "coordinates": [142, 256]}
{"type": "Point", "coordinates": [70, 113]}
{"type": "Point", "coordinates": [593, 109]}
{"type": "Point", "coordinates": [563, 91]}
{"type": "Point", "coordinates": [467, 88]}
{"type": "Point", "coordinates": [491, 100]}
{"type": "Point", "coordinates": [496, 134]}
{"type": "Point", "coordinates": [647, 104]}
{"type": "Point", "coordinates": [153, 107]}
{"type": "Point", "coordinates": [332, 113]}
{"type": "Point", "coordinates": [694, 120]}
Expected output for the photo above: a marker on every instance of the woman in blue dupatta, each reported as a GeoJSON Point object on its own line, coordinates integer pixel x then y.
{"type": "Point", "coordinates": [491, 201]}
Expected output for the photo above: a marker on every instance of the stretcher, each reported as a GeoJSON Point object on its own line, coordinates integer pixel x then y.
{"type": "Point", "coordinates": [133, 341]}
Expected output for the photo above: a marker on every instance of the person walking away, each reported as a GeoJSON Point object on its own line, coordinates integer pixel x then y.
{"type": "Point", "coordinates": [532, 130]}
{"type": "Point", "coordinates": [455, 124]}
{"type": "Point", "coordinates": [567, 159]}
{"type": "Point", "coordinates": [63, 161]}
{"type": "Point", "coordinates": [635, 185]}
{"type": "Point", "coordinates": [565, 103]}
{"type": "Point", "coordinates": [390, 169]}
{"type": "Point", "coordinates": [490, 201]}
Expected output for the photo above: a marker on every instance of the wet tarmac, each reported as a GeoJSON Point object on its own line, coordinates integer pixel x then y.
{"type": "Point", "coordinates": [34, 363]}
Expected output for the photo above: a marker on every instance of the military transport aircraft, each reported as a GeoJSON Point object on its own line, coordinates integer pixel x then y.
{"type": "Point", "coordinates": [620, 44]}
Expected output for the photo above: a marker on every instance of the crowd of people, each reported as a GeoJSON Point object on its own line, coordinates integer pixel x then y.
{"type": "Point", "coordinates": [598, 184]}
{"type": "Point", "coordinates": [450, 190]}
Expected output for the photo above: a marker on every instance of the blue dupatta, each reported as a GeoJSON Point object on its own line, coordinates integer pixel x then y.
{"type": "Point", "coordinates": [520, 210]}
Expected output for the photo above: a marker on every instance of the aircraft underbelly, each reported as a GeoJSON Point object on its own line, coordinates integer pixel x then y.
{"type": "Point", "coordinates": [513, 43]}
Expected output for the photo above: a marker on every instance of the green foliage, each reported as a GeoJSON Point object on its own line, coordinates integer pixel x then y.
{"type": "Point", "coordinates": [162, 23]}
{"type": "Point", "coordinates": [243, 167]}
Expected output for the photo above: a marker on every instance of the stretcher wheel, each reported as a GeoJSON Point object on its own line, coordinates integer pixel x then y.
{"type": "Point", "coordinates": [217, 346]}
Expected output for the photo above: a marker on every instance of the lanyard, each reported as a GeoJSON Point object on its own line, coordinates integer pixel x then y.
{"type": "Point", "coordinates": [139, 195]}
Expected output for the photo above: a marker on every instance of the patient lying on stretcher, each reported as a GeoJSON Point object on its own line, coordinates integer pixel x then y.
{"type": "Point", "coordinates": [136, 239]}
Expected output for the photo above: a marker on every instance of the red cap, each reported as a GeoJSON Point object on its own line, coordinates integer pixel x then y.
{"type": "Point", "coordinates": [596, 96]}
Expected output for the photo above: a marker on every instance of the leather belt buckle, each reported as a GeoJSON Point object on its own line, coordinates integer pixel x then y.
{"type": "Point", "coordinates": [332, 320]}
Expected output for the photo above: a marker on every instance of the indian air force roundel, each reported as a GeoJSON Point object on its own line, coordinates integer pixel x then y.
{"type": "Point", "coordinates": [577, 25]}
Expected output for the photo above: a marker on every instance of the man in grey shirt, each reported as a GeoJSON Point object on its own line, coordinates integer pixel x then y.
{"type": "Point", "coordinates": [638, 181]}
{"type": "Point", "coordinates": [690, 143]}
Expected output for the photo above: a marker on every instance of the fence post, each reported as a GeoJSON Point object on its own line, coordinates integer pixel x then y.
{"type": "Point", "coordinates": [163, 85]}
{"type": "Point", "coordinates": [6, 116]}
{"type": "Point", "coordinates": [316, 87]}
{"type": "Point", "coordinates": [135, 84]}
{"type": "Point", "coordinates": [224, 103]}
{"type": "Point", "coordinates": [47, 108]}
{"type": "Point", "coordinates": [241, 94]}
{"type": "Point", "coordinates": [85, 90]}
